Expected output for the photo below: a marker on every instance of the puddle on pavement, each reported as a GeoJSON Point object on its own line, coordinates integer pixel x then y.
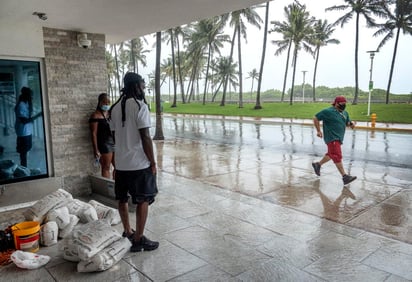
{"type": "Point", "coordinates": [273, 162]}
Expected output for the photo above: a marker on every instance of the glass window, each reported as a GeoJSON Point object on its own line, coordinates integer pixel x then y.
{"type": "Point", "coordinates": [23, 153]}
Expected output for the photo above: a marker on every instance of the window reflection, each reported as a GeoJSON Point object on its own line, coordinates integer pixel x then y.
{"type": "Point", "coordinates": [26, 108]}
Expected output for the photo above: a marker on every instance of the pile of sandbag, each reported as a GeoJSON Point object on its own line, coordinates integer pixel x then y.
{"type": "Point", "coordinates": [85, 227]}
{"type": "Point", "coordinates": [96, 246]}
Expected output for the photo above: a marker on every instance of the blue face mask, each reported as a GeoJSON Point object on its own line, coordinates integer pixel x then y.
{"type": "Point", "coordinates": [105, 107]}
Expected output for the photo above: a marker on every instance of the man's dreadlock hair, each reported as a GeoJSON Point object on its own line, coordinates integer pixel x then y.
{"type": "Point", "coordinates": [131, 91]}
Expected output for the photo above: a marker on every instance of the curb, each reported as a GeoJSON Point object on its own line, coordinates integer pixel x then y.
{"type": "Point", "coordinates": [360, 125]}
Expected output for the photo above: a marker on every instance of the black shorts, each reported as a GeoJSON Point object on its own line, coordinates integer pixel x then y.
{"type": "Point", "coordinates": [24, 144]}
{"type": "Point", "coordinates": [105, 147]}
{"type": "Point", "coordinates": [139, 184]}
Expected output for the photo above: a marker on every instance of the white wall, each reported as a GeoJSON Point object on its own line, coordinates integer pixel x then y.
{"type": "Point", "coordinates": [22, 40]}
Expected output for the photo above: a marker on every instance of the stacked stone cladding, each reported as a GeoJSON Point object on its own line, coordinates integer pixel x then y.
{"type": "Point", "coordinates": [75, 77]}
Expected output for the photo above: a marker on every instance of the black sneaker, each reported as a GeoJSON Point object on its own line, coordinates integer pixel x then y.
{"type": "Point", "coordinates": [348, 179]}
{"type": "Point", "coordinates": [316, 167]}
{"type": "Point", "coordinates": [144, 245]}
{"type": "Point", "coordinates": [130, 237]}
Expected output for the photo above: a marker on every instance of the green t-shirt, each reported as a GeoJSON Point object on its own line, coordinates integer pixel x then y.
{"type": "Point", "coordinates": [334, 124]}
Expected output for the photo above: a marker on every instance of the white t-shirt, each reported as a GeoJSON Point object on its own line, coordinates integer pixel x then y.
{"type": "Point", "coordinates": [22, 111]}
{"type": "Point", "coordinates": [129, 154]}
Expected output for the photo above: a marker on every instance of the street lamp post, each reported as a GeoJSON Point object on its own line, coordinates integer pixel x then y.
{"type": "Point", "coordinates": [303, 86]}
{"type": "Point", "coordinates": [372, 55]}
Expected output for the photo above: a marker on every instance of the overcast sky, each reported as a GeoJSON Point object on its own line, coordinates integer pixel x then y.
{"type": "Point", "coordinates": [336, 62]}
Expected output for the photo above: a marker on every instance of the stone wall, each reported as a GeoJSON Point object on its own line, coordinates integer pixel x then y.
{"type": "Point", "coordinates": [75, 78]}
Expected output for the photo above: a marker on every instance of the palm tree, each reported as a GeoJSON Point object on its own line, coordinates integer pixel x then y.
{"type": "Point", "coordinates": [399, 20]}
{"type": "Point", "coordinates": [321, 37]}
{"type": "Point", "coordinates": [302, 32]}
{"type": "Point", "coordinates": [166, 70]}
{"type": "Point", "coordinates": [225, 69]}
{"type": "Point", "coordinates": [136, 54]}
{"type": "Point", "coordinates": [211, 35]}
{"type": "Point", "coordinates": [124, 58]}
{"type": "Point", "coordinates": [254, 75]}
{"type": "Point", "coordinates": [132, 54]}
{"type": "Point", "coordinates": [195, 55]}
{"type": "Point", "coordinates": [116, 60]}
{"type": "Point", "coordinates": [239, 27]}
{"type": "Point", "coordinates": [169, 37]}
{"type": "Point", "coordinates": [180, 32]}
{"type": "Point", "coordinates": [226, 80]}
{"type": "Point", "coordinates": [111, 72]}
{"type": "Point", "coordinates": [159, 128]}
{"type": "Point", "coordinates": [265, 35]}
{"type": "Point", "coordinates": [366, 8]}
{"type": "Point", "coordinates": [286, 29]}
{"type": "Point", "coordinates": [212, 78]}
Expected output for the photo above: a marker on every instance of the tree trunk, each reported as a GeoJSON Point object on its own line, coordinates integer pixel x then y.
{"type": "Point", "coordinates": [286, 72]}
{"type": "Point", "coordinates": [222, 103]}
{"type": "Point", "coordinates": [217, 90]}
{"type": "Point", "coordinates": [262, 61]}
{"type": "Point", "coordinates": [395, 49]}
{"type": "Point", "coordinates": [179, 67]}
{"type": "Point", "coordinates": [295, 58]}
{"type": "Point", "coordinates": [193, 76]}
{"type": "Point", "coordinates": [132, 54]}
{"type": "Point", "coordinates": [355, 98]}
{"type": "Point", "coordinates": [110, 88]}
{"type": "Point", "coordinates": [251, 88]}
{"type": "Point", "coordinates": [159, 128]}
{"type": "Point", "coordinates": [314, 74]}
{"type": "Point", "coordinates": [239, 48]}
{"type": "Point", "coordinates": [207, 74]}
{"type": "Point", "coordinates": [117, 67]}
{"type": "Point", "coordinates": [174, 69]}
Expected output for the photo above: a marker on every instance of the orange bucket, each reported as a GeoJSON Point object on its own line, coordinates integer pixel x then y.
{"type": "Point", "coordinates": [26, 236]}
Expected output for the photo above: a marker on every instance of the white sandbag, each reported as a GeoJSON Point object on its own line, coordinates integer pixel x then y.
{"type": "Point", "coordinates": [94, 237]}
{"type": "Point", "coordinates": [106, 258]}
{"type": "Point", "coordinates": [66, 231]}
{"type": "Point", "coordinates": [70, 250]}
{"type": "Point", "coordinates": [49, 233]}
{"type": "Point", "coordinates": [84, 211]}
{"type": "Point", "coordinates": [105, 212]}
{"type": "Point", "coordinates": [28, 260]}
{"type": "Point", "coordinates": [60, 215]}
{"type": "Point", "coordinates": [38, 211]}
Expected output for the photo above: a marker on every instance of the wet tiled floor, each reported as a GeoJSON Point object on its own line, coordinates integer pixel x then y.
{"type": "Point", "coordinates": [211, 234]}
{"type": "Point", "coordinates": [253, 211]}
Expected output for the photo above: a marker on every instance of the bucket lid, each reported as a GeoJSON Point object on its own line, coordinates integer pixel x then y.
{"type": "Point", "coordinates": [26, 227]}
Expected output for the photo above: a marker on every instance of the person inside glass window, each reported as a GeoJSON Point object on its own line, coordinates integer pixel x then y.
{"type": "Point", "coordinates": [24, 123]}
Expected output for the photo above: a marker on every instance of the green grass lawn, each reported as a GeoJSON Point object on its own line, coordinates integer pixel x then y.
{"type": "Point", "coordinates": [392, 113]}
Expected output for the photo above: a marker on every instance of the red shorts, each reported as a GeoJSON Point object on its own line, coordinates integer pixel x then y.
{"type": "Point", "coordinates": [334, 151]}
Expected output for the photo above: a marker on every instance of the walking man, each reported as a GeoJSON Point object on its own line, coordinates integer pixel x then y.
{"type": "Point", "coordinates": [135, 163]}
{"type": "Point", "coordinates": [335, 120]}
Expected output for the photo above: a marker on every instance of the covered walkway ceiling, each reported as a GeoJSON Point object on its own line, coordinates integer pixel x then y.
{"type": "Point", "coordinates": [119, 20]}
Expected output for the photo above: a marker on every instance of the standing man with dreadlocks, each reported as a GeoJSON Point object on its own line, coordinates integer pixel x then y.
{"type": "Point", "coordinates": [135, 163]}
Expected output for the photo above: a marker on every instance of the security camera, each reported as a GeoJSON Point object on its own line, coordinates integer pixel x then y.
{"type": "Point", "coordinates": [40, 15]}
{"type": "Point", "coordinates": [82, 41]}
